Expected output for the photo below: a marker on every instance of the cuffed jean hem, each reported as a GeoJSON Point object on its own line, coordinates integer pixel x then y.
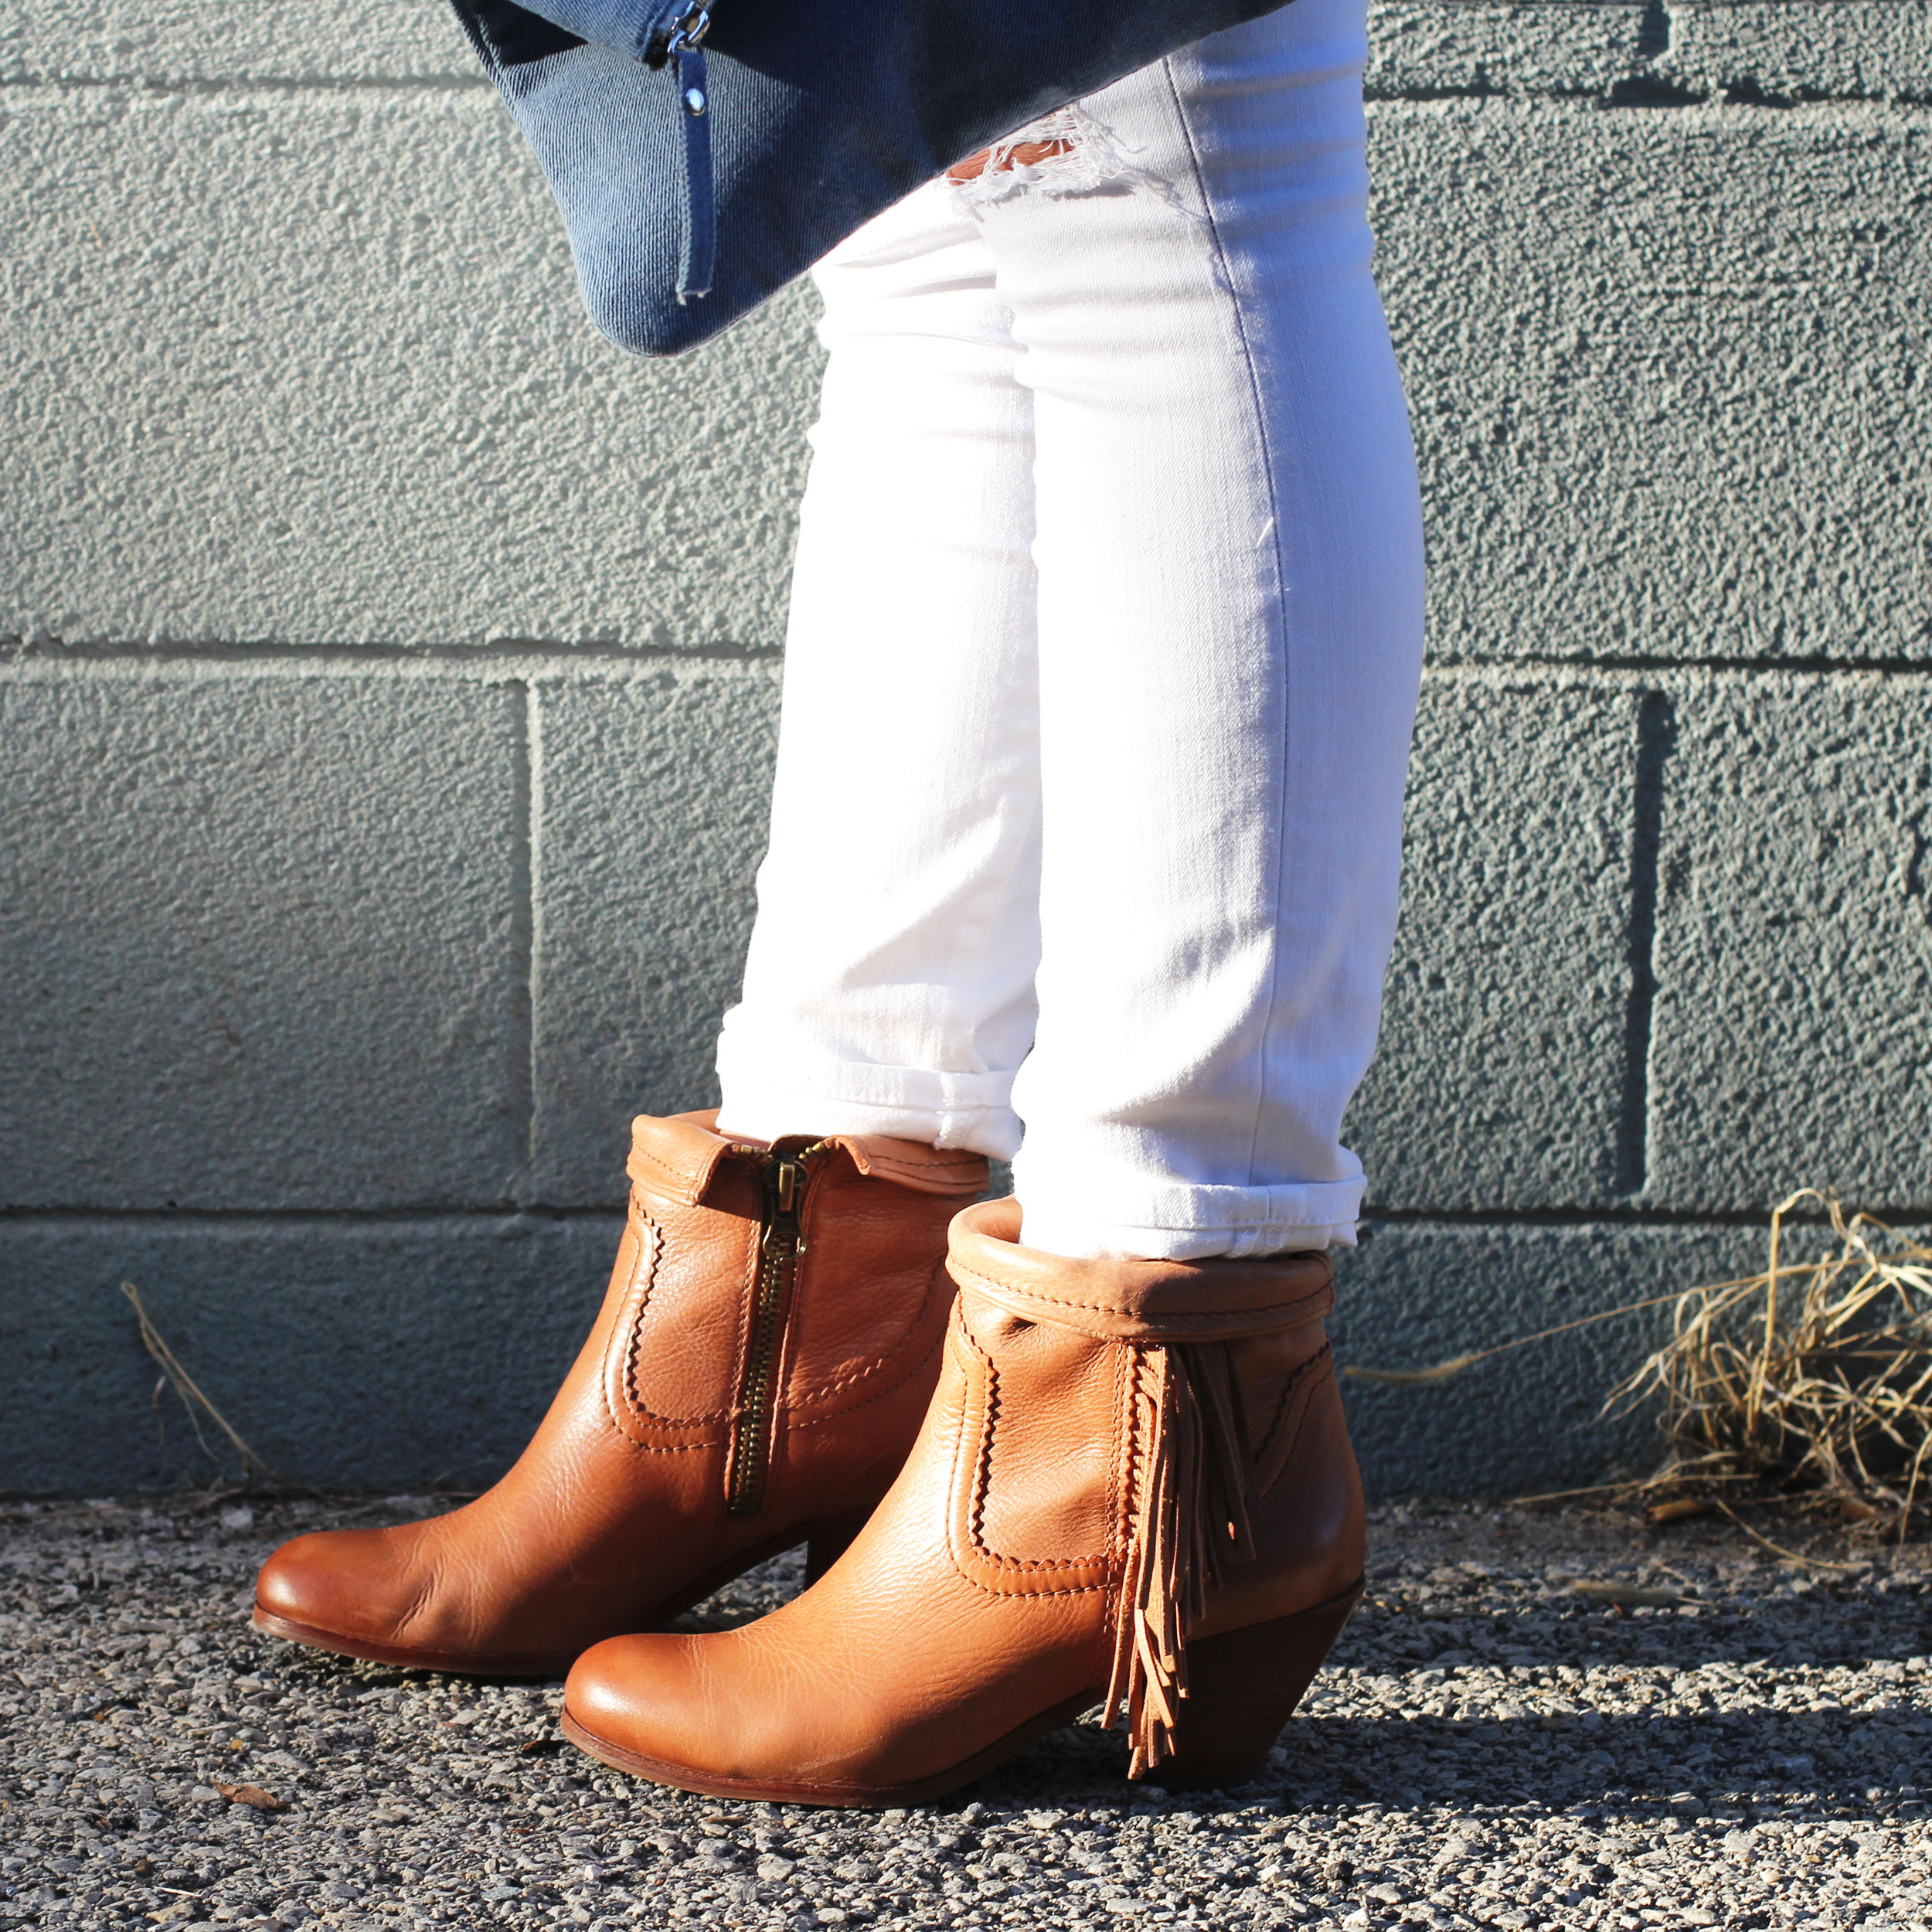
{"type": "Point", "coordinates": [763, 1100]}
{"type": "Point", "coordinates": [1177, 1222]}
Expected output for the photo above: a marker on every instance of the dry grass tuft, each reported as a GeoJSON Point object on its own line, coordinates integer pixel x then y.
{"type": "Point", "coordinates": [197, 1404]}
{"type": "Point", "coordinates": [1812, 1380]}
{"type": "Point", "coordinates": [1810, 1383]}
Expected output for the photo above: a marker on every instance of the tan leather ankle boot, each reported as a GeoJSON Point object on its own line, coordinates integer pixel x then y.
{"type": "Point", "coordinates": [758, 1372]}
{"type": "Point", "coordinates": [1134, 1488]}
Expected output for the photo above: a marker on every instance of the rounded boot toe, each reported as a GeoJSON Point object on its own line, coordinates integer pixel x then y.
{"type": "Point", "coordinates": [725, 1712]}
{"type": "Point", "coordinates": [332, 1582]}
{"type": "Point", "coordinates": [617, 1688]}
{"type": "Point", "coordinates": [639, 1698]}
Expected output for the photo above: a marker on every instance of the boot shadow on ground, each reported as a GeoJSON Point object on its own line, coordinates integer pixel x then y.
{"type": "Point", "coordinates": [1630, 1764]}
{"type": "Point", "coordinates": [1755, 1762]}
{"type": "Point", "coordinates": [1635, 1764]}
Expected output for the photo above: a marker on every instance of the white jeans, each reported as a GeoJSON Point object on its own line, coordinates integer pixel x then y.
{"type": "Point", "coordinates": [1106, 629]}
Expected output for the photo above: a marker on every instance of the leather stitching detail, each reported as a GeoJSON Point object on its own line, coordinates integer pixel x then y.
{"type": "Point", "coordinates": [617, 1338]}
{"type": "Point", "coordinates": [792, 1421]}
{"type": "Point", "coordinates": [884, 1161]}
{"type": "Point", "coordinates": [880, 1365]}
{"type": "Point", "coordinates": [983, 1485]}
{"type": "Point", "coordinates": [888, 1167]}
{"type": "Point", "coordinates": [973, 1405]}
{"type": "Point", "coordinates": [1126, 1449]}
{"type": "Point", "coordinates": [1001, 1291]}
{"type": "Point", "coordinates": [1297, 1398]}
{"type": "Point", "coordinates": [1291, 1389]}
{"type": "Point", "coordinates": [651, 1243]}
{"type": "Point", "coordinates": [649, 1232]}
{"type": "Point", "coordinates": [1127, 1455]}
{"type": "Point", "coordinates": [685, 1188]}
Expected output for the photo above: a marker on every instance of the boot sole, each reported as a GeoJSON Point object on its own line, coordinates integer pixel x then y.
{"type": "Point", "coordinates": [1293, 1647]}
{"type": "Point", "coordinates": [849, 1796]}
{"type": "Point", "coordinates": [825, 1540]}
{"type": "Point", "coordinates": [447, 1662]}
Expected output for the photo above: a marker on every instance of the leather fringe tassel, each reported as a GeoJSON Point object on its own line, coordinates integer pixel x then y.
{"type": "Point", "coordinates": [1190, 1517]}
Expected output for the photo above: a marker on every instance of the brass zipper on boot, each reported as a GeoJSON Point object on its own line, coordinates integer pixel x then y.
{"type": "Point", "coordinates": [780, 1243]}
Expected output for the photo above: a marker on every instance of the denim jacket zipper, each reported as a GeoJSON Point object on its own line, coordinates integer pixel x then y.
{"type": "Point", "coordinates": [676, 41]}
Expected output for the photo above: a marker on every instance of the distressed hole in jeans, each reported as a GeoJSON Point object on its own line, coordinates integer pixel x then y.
{"type": "Point", "coordinates": [1066, 152]}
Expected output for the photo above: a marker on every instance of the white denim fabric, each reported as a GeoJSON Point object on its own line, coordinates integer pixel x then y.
{"type": "Point", "coordinates": [1105, 635]}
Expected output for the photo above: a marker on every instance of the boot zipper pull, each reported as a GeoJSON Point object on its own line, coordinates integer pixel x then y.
{"type": "Point", "coordinates": [780, 1243]}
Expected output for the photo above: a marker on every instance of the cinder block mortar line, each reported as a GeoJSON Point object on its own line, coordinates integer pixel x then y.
{"type": "Point", "coordinates": [387, 86]}
{"type": "Point", "coordinates": [497, 661]}
{"type": "Point", "coordinates": [1902, 1215]}
{"type": "Point", "coordinates": [321, 1219]}
{"type": "Point", "coordinates": [1672, 675]}
{"type": "Point", "coordinates": [1640, 93]}
{"type": "Point", "coordinates": [1636, 664]}
{"type": "Point", "coordinates": [1637, 92]}
{"type": "Point", "coordinates": [1655, 730]}
{"type": "Point", "coordinates": [534, 661]}
{"type": "Point", "coordinates": [526, 779]}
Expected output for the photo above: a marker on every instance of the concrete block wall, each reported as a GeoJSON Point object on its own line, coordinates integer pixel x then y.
{"type": "Point", "coordinates": [390, 672]}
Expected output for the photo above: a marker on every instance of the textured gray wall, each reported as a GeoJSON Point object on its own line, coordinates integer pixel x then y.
{"type": "Point", "coordinates": [389, 672]}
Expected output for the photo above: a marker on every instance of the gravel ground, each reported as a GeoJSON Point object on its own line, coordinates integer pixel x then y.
{"type": "Point", "coordinates": [1494, 1744]}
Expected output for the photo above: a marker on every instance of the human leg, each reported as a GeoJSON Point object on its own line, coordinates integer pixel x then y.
{"type": "Point", "coordinates": [889, 987]}
{"type": "Point", "coordinates": [770, 1333]}
{"type": "Point", "coordinates": [1229, 559]}
{"type": "Point", "coordinates": [1127, 1460]}
{"type": "Point", "coordinates": [1176, 386]}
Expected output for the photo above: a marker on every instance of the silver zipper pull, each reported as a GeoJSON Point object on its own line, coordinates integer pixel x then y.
{"type": "Point", "coordinates": [689, 32]}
